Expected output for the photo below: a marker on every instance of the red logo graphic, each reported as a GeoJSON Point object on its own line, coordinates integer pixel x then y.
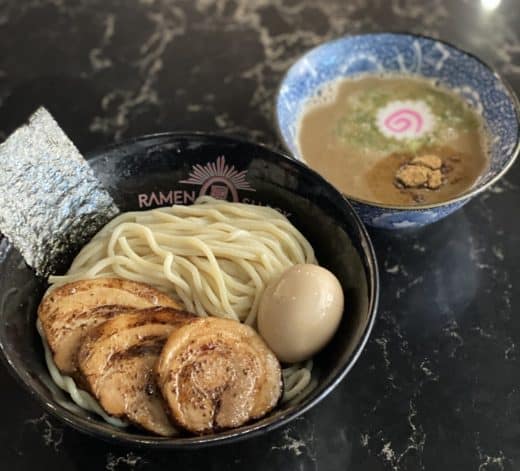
{"type": "Point", "coordinates": [218, 179]}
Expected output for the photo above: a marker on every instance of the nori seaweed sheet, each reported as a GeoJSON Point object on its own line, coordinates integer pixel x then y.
{"type": "Point", "coordinates": [51, 203]}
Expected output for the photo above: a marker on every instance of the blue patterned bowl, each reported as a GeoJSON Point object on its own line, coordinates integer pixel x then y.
{"type": "Point", "coordinates": [416, 55]}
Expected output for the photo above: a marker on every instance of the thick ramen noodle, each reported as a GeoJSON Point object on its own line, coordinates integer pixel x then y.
{"type": "Point", "coordinates": [214, 257]}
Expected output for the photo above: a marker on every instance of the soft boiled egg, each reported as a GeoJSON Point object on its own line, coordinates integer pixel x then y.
{"type": "Point", "coordinates": [300, 311]}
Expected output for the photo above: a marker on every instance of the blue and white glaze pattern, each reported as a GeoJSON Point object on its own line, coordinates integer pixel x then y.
{"type": "Point", "coordinates": [387, 218]}
{"type": "Point", "coordinates": [407, 54]}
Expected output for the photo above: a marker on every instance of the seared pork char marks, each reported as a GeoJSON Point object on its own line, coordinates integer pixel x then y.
{"type": "Point", "coordinates": [68, 312]}
{"type": "Point", "coordinates": [117, 360]}
{"type": "Point", "coordinates": [216, 374]}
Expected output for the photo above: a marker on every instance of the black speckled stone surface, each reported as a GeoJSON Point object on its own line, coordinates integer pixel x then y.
{"type": "Point", "coordinates": [436, 388]}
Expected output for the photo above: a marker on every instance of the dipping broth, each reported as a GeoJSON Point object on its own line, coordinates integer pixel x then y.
{"type": "Point", "coordinates": [394, 140]}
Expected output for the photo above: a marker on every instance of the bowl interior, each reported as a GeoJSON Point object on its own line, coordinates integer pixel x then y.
{"type": "Point", "coordinates": [167, 169]}
{"type": "Point", "coordinates": [407, 54]}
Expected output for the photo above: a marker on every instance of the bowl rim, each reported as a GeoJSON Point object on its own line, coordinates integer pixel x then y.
{"type": "Point", "coordinates": [470, 193]}
{"type": "Point", "coordinates": [254, 429]}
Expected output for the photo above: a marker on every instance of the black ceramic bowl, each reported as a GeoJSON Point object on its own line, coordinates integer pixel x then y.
{"type": "Point", "coordinates": [171, 168]}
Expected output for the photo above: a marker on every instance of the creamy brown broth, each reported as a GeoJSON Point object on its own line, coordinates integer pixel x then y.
{"type": "Point", "coordinates": [375, 125]}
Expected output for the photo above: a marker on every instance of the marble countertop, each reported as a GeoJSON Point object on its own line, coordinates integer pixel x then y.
{"type": "Point", "coordinates": [436, 387]}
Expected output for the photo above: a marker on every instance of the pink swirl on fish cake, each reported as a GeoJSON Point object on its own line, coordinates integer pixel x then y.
{"type": "Point", "coordinates": [405, 119]}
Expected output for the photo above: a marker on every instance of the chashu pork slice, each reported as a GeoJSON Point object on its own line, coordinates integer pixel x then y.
{"type": "Point", "coordinates": [217, 374]}
{"type": "Point", "coordinates": [68, 312]}
{"type": "Point", "coordinates": [117, 360]}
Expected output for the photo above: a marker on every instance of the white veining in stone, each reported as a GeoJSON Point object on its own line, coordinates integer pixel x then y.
{"type": "Point", "coordinates": [119, 462]}
{"type": "Point", "coordinates": [52, 435]}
